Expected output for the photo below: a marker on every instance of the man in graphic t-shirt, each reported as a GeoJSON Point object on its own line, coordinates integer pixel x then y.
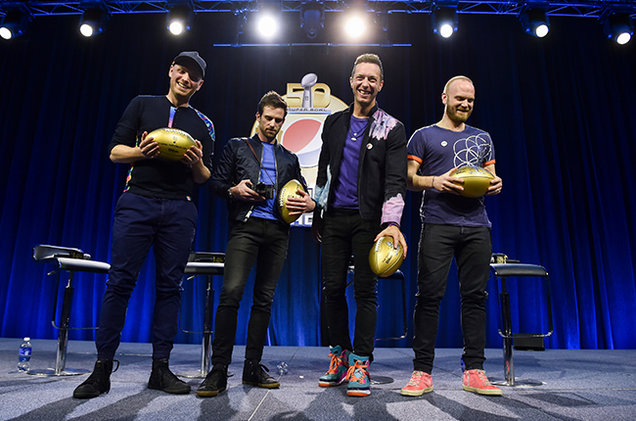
{"type": "Point", "coordinates": [452, 226]}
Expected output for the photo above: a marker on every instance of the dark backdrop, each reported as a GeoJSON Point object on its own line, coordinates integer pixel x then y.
{"type": "Point", "coordinates": [559, 110]}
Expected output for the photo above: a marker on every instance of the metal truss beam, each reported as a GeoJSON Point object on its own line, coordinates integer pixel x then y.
{"type": "Point", "coordinates": [572, 8]}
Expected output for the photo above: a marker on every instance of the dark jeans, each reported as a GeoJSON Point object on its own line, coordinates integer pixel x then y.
{"type": "Point", "coordinates": [141, 222]}
{"type": "Point", "coordinates": [471, 247]}
{"type": "Point", "coordinates": [346, 233]}
{"type": "Point", "coordinates": [258, 241]}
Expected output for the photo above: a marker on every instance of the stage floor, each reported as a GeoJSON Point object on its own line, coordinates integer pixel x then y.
{"type": "Point", "coordinates": [578, 385]}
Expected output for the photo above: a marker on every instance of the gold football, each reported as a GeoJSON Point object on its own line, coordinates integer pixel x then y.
{"type": "Point", "coordinates": [173, 143]}
{"type": "Point", "coordinates": [476, 180]}
{"type": "Point", "coordinates": [288, 190]}
{"type": "Point", "coordinates": [385, 259]}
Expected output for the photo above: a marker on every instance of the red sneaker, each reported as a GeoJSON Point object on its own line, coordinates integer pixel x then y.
{"type": "Point", "coordinates": [476, 381]}
{"type": "Point", "coordinates": [419, 384]}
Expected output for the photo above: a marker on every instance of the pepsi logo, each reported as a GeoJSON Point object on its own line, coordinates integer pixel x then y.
{"type": "Point", "coordinates": [302, 137]}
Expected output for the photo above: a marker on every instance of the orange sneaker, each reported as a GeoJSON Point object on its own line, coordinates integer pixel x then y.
{"type": "Point", "coordinates": [476, 381]}
{"type": "Point", "coordinates": [419, 384]}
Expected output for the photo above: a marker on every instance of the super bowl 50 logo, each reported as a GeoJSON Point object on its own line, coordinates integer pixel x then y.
{"type": "Point", "coordinates": [309, 103]}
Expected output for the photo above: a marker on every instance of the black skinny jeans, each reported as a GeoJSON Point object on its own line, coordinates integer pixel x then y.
{"type": "Point", "coordinates": [346, 233]}
{"type": "Point", "coordinates": [258, 241]}
{"type": "Point", "coordinates": [471, 247]}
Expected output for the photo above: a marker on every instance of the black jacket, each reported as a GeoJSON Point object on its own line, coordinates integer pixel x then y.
{"type": "Point", "coordinates": [239, 163]}
{"type": "Point", "coordinates": [381, 169]}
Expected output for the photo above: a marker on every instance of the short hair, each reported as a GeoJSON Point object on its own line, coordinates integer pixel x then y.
{"type": "Point", "coordinates": [271, 99]}
{"type": "Point", "coordinates": [456, 78]}
{"type": "Point", "coordinates": [368, 58]}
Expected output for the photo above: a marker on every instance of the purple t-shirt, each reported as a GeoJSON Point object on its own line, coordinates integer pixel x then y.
{"type": "Point", "coordinates": [346, 189]}
{"type": "Point", "coordinates": [438, 150]}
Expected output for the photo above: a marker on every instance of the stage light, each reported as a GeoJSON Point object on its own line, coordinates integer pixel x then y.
{"type": "Point", "coordinates": [93, 20]}
{"type": "Point", "coordinates": [535, 22]}
{"type": "Point", "coordinates": [445, 21]}
{"type": "Point", "coordinates": [312, 18]}
{"type": "Point", "coordinates": [355, 24]}
{"type": "Point", "coordinates": [179, 19]}
{"type": "Point", "coordinates": [267, 24]}
{"type": "Point", "coordinates": [619, 27]}
{"type": "Point", "coordinates": [14, 23]}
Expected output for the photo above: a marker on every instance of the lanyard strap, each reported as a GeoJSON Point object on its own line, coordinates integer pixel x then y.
{"type": "Point", "coordinates": [246, 140]}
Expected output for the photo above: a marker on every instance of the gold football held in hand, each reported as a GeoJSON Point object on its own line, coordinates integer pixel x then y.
{"type": "Point", "coordinates": [173, 143]}
{"type": "Point", "coordinates": [288, 190]}
{"type": "Point", "coordinates": [476, 180]}
{"type": "Point", "coordinates": [384, 258]}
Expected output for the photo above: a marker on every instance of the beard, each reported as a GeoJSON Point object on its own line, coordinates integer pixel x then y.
{"type": "Point", "coordinates": [459, 117]}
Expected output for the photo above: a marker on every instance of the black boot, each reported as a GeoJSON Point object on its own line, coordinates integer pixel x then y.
{"type": "Point", "coordinates": [97, 383]}
{"type": "Point", "coordinates": [255, 374]}
{"type": "Point", "coordinates": [162, 378]}
{"type": "Point", "coordinates": [215, 382]}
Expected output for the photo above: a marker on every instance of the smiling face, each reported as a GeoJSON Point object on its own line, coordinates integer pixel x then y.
{"type": "Point", "coordinates": [183, 82]}
{"type": "Point", "coordinates": [270, 122]}
{"type": "Point", "coordinates": [366, 82]}
{"type": "Point", "coordinates": [459, 99]}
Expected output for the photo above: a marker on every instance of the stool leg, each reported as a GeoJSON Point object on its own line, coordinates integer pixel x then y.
{"type": "Point", "coordinates": [62, 338]}
{"type": "Point", "coordinates": [509, 372]}
{"type": "Point", "coordinates": [206, 347]}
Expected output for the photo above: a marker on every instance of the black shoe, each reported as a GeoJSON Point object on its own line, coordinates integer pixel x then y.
{"type": "Point", "coordinates": [255, 374]}
{"type": "Point", "coordinates": [162, 378]}
{"type": "Point", "coordinates": [98, 382]}
{"type": "Point", "coordinates": [215, 382]}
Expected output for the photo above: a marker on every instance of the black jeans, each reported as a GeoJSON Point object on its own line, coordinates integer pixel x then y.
{"type": "Point", "coordinates": [258, 241]}
{"type": "Point", "coordinates": [140, 222]}
{"type": "Point", "coordinates": [346, 233]}
{"type": "Point", "coordinates": [471, 247]}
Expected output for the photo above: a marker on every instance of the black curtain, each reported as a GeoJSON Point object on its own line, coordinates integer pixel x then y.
{"type": "Point", "coordinates": [559, 111]}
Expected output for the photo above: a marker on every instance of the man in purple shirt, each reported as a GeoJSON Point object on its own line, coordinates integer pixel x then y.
{"type": "Point", "coordinates": [452, 226]}
{"type": "Point", "coordinates": [360, 190]}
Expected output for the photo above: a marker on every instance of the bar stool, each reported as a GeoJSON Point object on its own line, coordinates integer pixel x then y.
{"type": "Point", "coordinates": [71, 260]}
{"type": "Point", "coordinates": [208, 264]}
{"type": "Point", "coordinates": [501, 271]}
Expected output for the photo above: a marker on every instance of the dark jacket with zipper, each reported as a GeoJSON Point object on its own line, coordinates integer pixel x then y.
{"type": "Point", "coordinates": [238, 163]}
{"type": "Point", "coordinates": [381, 168]}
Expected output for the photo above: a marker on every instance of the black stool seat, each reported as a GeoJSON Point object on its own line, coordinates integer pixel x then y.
{"type": "Point", "coordinates": [518, 269]}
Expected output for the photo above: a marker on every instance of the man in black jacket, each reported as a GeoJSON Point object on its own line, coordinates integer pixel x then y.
{"type": "Point", "coordinates": [360, 191]}
{"type": "Point", "coordinates": [156, 209]}
{"type": "Point", "coordinates": [249, 174]}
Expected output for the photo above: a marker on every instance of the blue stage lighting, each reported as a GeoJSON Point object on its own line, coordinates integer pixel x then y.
{"type": "Point", "coordinates": [14, 24]}
{"type": "Point", "coordinates": [312, 18]}
{"type": "Point", "coordinates": [93, 20]}
{"type": "Point", "coordinates": [619, 27]}
{"type": "Point", "coordinates": [535, 22]}
{"type": "Point", "coordinates": [444, 21]}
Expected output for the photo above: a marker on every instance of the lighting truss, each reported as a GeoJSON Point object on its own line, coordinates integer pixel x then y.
{"type": "Point", "coordinates": [573, 8]}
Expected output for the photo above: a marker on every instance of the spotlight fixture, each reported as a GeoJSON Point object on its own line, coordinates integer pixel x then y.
{"type": "Point", "coordinates": [14, 23]}
{"type": "Point", "coordinates": [619, 27]}
{"type": "Point", "coordinates": [355, 23]}
{"type": "Point", "coordinates": [179, 18]}
{"type": "Point", "coordinates": [267, 24]}
{"type": "Point", "coordinates": [312, 18]}
{"type": "Point", "coordinates": [535, 22]}
{"type": "Point", "coordinates": [93, 20]}
{"type": "Point", "coordinates": [445, 21]}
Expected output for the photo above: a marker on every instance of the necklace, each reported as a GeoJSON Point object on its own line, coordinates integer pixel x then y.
{"type": "Point", "coordinates": [354, 136]}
